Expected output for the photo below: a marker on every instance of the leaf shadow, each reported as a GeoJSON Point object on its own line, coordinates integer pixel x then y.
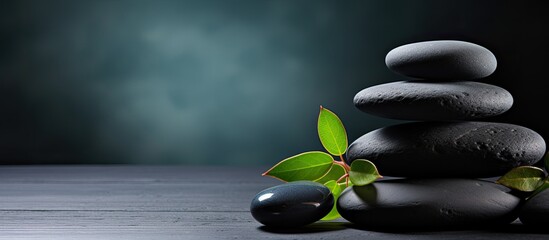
{"type": "Point", "coordinates": [311, 228]}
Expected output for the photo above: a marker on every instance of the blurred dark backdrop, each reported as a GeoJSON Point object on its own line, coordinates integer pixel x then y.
{"type": "Point", "coordinates": [229, 82]}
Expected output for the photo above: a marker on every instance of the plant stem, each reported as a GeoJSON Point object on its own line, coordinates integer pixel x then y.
{"type": "Point", "coordinates": [342, 163]}
{"type": "Point", "coordinates": [346, 168]}
{"type": "Point", "coordinates": [342, 177]}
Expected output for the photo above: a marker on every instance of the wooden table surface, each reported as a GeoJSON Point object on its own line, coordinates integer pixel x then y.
{"type": "Point", "coordinates": [165, 202]}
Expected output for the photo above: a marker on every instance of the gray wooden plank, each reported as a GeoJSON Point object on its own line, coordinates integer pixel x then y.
{"type": "Point", "coordinates": [201, 225]}
{"type": "Point", "coordinates": [127, 196]}
{"type": "Point", "coordinates": [153, 188]}
{"type": "Point", "coordinates": [131, 173]}
{"type": "Point", "coordinates": [164, 202]}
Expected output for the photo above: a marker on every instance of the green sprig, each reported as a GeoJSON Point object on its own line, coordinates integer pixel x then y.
{"type": "Point", "coordinates": [527, 178]}
{"type": "Point", "coordinates": [322, 167]}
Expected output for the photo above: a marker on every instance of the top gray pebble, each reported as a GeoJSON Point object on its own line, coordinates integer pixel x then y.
{"type": "Point", "coordinates": [442, 60]}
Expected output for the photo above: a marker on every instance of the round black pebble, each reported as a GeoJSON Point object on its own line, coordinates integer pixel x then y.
{"type": "Point", "coordinates": [535, 211]}
{"type": "Point", "coordinates": [442, 60]}
{"type": "Point", "coordinates": [428, 204]}
{"type": "Point", "coordinates": [292, 204]}
{"type": "Point", "coordinates": [434, 101]}
{"type": "Point", "coordinates": [448, 149]}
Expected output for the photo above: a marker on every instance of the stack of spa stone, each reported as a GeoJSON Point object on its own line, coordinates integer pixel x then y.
{"type": "Point", "coordinates": [441, 154]}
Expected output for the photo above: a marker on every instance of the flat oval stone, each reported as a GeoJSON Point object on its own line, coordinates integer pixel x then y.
{"type": "Point", "coordinates": [442, 60]}
{"type": "Point", "coordinates": [292, 204]}
{"type": "Point", "coordinates": [421, 204]}
{"type": "Point", "coordinates": [448, 149]}
{"type": "Point", "coordinates": [432, 101]}
{"type": "Point", "coordinates": [535, 211]}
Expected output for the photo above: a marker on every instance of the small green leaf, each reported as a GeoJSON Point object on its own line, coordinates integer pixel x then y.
{"type": "Point", "coordinates": [336, 190]}
{"type": "Point", "coordinates": [304, 166]}
{"type": "Point", "coordinates": [335, 172]}
{"type": "Point", "coordinates": [331, 132]}
{"type": "Point", "coordinates": [541, 188]}
{"type": "Point", "coordinates": [363, 172]}
{"type": "Point", "coordinates": [523, 178]}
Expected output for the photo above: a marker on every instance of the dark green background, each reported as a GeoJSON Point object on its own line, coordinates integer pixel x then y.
{"type": "Point", "coordinates": [229, 82]}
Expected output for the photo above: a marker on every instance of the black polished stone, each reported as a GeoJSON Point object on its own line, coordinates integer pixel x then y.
{"type": "Point", "coordinates": [431, 100]}
{"type": "Point", "coordinates": [448, 149]}
{"type": "Point", "coordinates": [442, 60]}
{"type": "Point", "coordinates": [428, 204]}
{"type": "Point", "coordinates": [292, 204]}
{"type": "Point", "coordinates": [535, 211]}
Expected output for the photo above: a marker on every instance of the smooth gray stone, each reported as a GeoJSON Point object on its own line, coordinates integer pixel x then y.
{"type": "Point", "coordinates": [442, 60]}
{"type": "Point", "coordinates": [448, 149]}
{"type": "Point", "coordinates": [420, 204]}
{"type": "Point", "coordinates": [428, 100]}
{"type": "Point", "coordinates": [292, 204]}
{"type": "Point", "coordinates": [535, 211]}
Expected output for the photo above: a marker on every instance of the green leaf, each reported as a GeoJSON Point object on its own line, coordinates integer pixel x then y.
{"type": "Point", "coordinates": [336, 190]}
{"type": "Point", "coordinates": [363, 172]}
{"type": "Point", "coordinates": [335, 172]}
{"type": "Point", "coordinates": [305, 166]}
{"type": "Point", "coordinates": [331, 132]}
{"type": "Point", "coordinates": [523, 178]}
{"type": "Point", "coordinates": [541, 188]}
